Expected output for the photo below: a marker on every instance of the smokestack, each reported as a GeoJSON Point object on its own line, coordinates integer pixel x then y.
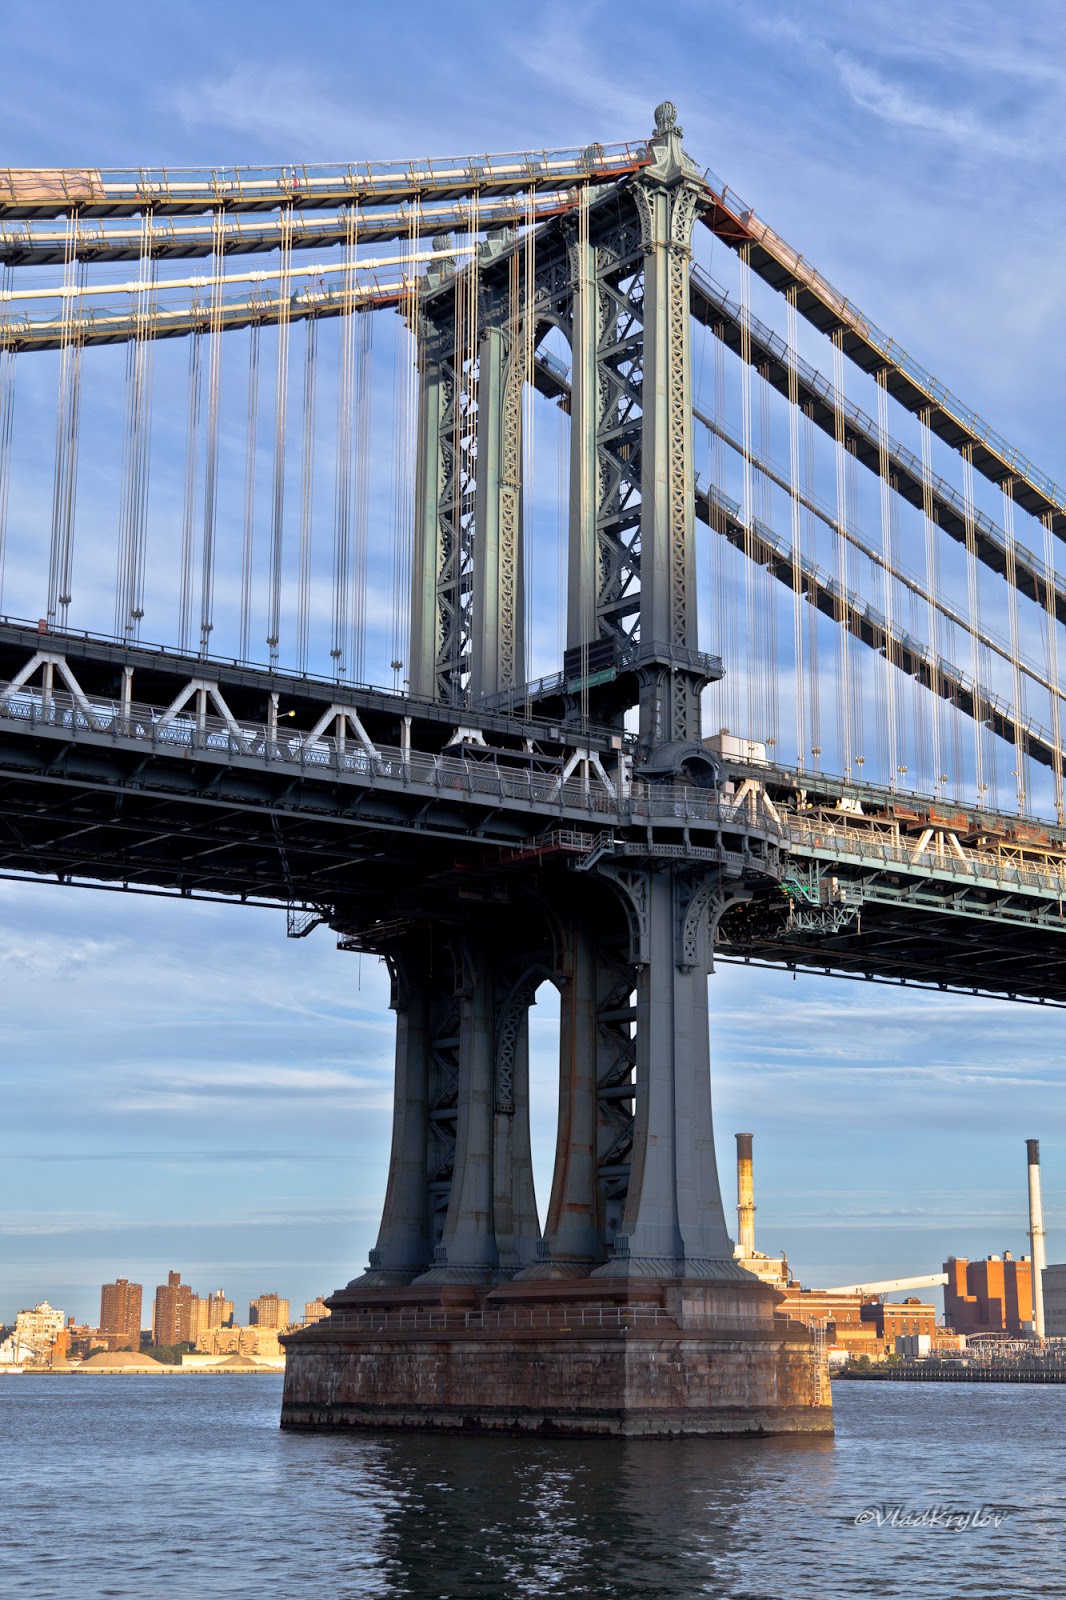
{"type": "Point", "coordinates": [1036, 1234]}
{"type": "Point", "coordinates": [745, 1196]}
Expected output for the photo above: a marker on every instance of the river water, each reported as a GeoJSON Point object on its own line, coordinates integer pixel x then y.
{"type": "Point", "coordinates": [161, 1487]}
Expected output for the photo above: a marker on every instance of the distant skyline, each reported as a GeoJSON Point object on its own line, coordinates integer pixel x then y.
{"type": "Point", "coordinates": [184, 1089]}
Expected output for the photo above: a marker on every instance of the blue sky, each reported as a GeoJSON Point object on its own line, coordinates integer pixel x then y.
{"type": "Point", "coordinates": [182, 1088]}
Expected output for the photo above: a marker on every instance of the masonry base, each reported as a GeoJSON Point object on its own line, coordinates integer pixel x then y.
{"type": "Point", "coordinates": [681, 1360]}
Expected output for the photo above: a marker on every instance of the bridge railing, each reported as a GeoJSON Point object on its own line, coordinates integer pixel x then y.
{"type": "Point", "coordinates": [328, 754]}
{"type": "Point", "coordinates": [121, 190]}
{"type": "Point", "coordinates": [976, 865]}
{"type": "Point", "coordinates": [646, 1318]}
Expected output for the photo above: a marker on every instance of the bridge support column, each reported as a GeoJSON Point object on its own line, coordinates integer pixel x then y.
{"type": "Point", "coordinates": [404, 1246]}
{"type": "Point", "coordinates": [515, 1201]}
{"type": "Point", "coordinates": [674, 1224]}
{"type": "Point", "coordinates": [424, 1116]}
{"type": "Point", "coordinates": [467, 1252]}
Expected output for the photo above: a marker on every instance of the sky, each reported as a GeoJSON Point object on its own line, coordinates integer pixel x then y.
{"type": "Point", "coordinates": [182, 1088]}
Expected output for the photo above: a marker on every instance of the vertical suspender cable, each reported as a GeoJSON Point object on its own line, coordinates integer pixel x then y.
{"type": "Point", "coordinates": [127, 501]}
{"type": "Point", "coordinates": [725, 608]}
{"type": "Point", "coordinates": [363, 377]}
{"type": "Point", "coordinates": [307, 489]}
{"type": "Point", "coordinates": [214, 360]}
{"type": "Point", "coordinates": [974, 610]}
{"type": "Point", "coordinates": [1051, 652]}
{"type": "Point", "coordinates": [814, 682]}
{"type": "Point", "coordinates": [1021, 745]}
{"type": "Point", "coordinates": [410, 356]}
{"type": "Point", "coordinates": [758, 647]}
{"type": "Point", "coordinates": [188, 529]}
{"type": "Point", "coordinates": [143, 453]}
{"type": "Point", "coordinates": [932, 585]}
{"type": "Point", "coordinates": [768, 584]}
{"type": "Point", "coordinates": [797, 527]}
{"type": "Point", "coordinates": [405, 373]}
{"type": "Point", "coordinates": [251, 443]}
{"type": "Point", "coordinates": [752, 667]}
{"type": "Point", "coordinates": [839, 604]}
{"type": "Point", "coordinates": [281, 408]}
{"type": "Point", "coordinates": [64, 485]}
{"type": "Point", "coordinates": [857, 703]}
{"type": "Point", "coordinates": [342, 499]}
{"type": "Point", "coordinates": [913, 730]}
{"type": "Point", "coordinates": [889, 559]}
{"type": "Point", "coordinates": [7, 428]}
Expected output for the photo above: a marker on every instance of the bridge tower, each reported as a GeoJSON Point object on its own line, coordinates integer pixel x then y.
{"type": "Point", "coordinates": [628, 1314]}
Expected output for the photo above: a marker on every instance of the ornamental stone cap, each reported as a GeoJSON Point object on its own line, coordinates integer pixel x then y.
{"type": "Point", "coordinates": [669, 160]}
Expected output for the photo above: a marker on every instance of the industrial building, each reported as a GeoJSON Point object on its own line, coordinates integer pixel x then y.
{"type": "Point", "coordinates": [990, 1296]}
{"type": "Point", "coordinates": [1000, 1294]}
{"type": "Point", "coordinates": [855, 1319]}
{"type": "Point", "coordinates": [1054, 1281]}
{"type": "Point", "coordinates": [771, 1269]}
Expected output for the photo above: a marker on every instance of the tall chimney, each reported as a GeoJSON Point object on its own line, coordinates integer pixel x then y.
{"type": "Point", "coordinates": [745, 1196]}
{"type": "Point", "coordinates": [1036, 1234]}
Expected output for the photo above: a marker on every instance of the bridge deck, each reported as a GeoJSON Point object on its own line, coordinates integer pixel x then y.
{"type": "Point", "coordinates": [381, 819]}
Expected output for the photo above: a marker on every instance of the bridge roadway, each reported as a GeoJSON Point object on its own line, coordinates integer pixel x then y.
{"type": "Point", "coordinates": [136, 768]}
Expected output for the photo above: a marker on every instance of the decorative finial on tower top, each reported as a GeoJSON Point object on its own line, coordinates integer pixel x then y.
{"type": "Point", "coordinates": [668, 159]}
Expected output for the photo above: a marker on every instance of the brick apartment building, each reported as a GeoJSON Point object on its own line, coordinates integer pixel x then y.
{"type": "Point", "coordinates": [120, 1315]}
{"type": "Point", "coordinates": [175, 1318]}
{"type": "Point", "coordinates": [269, 1311]}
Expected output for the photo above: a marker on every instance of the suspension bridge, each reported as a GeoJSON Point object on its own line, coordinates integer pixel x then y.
{"type": "Point", "coordinates": [433, 584]}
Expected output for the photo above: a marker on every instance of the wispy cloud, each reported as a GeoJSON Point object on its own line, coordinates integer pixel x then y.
{"type": "Point", "coordinates": [155, 1089]}
{"type": "Point", "coordinates": [285, 107]}
{"type": "Point", "coordinates": [893, 103]}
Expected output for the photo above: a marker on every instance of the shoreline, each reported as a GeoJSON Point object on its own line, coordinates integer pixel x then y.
{"type": "Point", "coordinates": [143, 1372]}
{"type": "Point", "coordinates": [1031, 1375]}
